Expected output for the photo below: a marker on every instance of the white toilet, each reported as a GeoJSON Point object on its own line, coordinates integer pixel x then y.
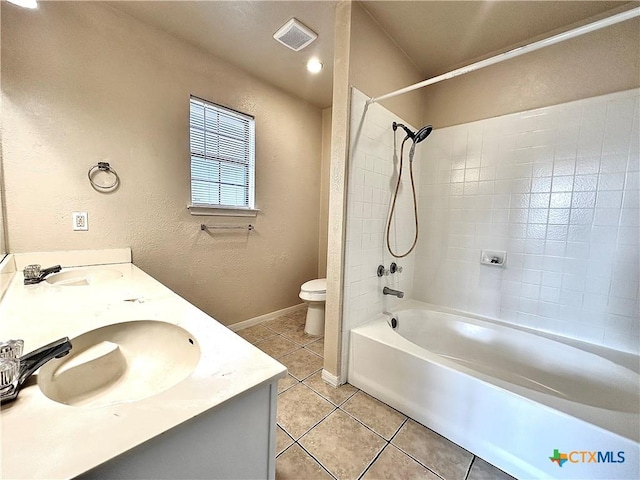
{"type": "Point", "coordinates": [314, 293]}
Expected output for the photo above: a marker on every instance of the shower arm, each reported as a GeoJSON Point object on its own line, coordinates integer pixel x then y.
{"type": "Point", "coordinates": [590, 27]}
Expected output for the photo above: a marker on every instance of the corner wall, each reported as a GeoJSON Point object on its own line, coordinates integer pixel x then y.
{"type": "Point", "coordinates": [83, 83]}
{"type": "Point", "coordinates": [368, 59]}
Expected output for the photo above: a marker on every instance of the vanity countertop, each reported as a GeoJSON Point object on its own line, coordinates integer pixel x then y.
{"type": "Point", "coordinates": [45, 439]}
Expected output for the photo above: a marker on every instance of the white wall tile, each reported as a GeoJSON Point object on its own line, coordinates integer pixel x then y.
{"type": "Point", "coordinates": [563, 186]}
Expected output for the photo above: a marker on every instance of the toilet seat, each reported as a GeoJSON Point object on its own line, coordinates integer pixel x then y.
{"type": "Point", "coordinates": [314, 290]}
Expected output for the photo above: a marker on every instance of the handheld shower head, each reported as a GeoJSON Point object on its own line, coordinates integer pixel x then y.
{"type": "Point", "coordinates": [418, 136]}
{"type": "Point", "coordinates": [410, 134]}
{"type": "Point", "coordinates": [422, 133]}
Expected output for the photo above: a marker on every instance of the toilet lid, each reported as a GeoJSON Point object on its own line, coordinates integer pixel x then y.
{"type": "Point", "coordinates": [315, 286]}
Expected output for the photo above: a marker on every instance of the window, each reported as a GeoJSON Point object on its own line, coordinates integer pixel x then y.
{"type": "Point", "coordinates": [222, 143]}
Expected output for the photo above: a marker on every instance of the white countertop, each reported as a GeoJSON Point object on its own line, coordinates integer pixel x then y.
{"type": "Point", "coordinates": [45, 439]}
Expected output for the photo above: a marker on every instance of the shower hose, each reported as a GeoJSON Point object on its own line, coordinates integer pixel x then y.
{"type": "Point", "coordinates": [395, 197]}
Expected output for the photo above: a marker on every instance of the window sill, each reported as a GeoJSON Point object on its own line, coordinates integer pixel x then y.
{"type": "Point", "coordinates": [202, 210]}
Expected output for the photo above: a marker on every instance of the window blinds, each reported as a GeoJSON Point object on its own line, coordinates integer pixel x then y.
{"type": "Point", "coordinates": [222, 155]}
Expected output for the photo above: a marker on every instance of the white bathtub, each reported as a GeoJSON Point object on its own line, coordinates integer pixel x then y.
{"type": "Point", "coordinates": [507, 395]}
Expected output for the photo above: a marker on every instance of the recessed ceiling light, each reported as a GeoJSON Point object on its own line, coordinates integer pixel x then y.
{"type": "Point", "coordinates": [25, 3]}
{"type": "Point", "coordinates": [314, 65]}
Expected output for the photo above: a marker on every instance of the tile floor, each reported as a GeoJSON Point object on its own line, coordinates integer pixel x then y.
{"type": "Point", "coordinates": [343, 433]}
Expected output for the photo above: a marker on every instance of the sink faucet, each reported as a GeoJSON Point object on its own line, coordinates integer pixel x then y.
{"type": "Point", "coordinates": [391, 291]}
{"type": "Point", "coordinates": [31, 362]}
{"type": "Point", "coordinates": [34, 274]}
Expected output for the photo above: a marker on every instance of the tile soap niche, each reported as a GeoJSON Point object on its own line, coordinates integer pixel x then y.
{"type": "Point", "coordinates": [493, 258]}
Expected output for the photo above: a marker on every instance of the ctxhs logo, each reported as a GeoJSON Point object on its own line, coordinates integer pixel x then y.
{"type": "Point", "coordinates": [580, 456]}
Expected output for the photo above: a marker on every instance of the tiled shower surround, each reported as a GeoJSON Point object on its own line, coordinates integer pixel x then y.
{"type": "Point", "coordinates": [372, 176]}
{"type": "Point", "coordinates": [557, 188]}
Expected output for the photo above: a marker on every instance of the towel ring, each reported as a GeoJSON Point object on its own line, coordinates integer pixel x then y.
{"type": "Point", "coordinates": [103, 167]}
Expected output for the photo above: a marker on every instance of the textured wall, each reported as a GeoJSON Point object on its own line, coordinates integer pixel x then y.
{"type": "Point", "coordinates": [597, 63]}
{"type": "Point", "coordinates": [324, 193]}
{"type": "Point", "coordinates": [378, 66]}
{"type": "Point", "coordinates": [82, 83]}
{"type": "Point", "coordinates": [558, 189]}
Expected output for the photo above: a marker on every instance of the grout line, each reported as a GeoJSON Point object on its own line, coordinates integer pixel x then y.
{"type": "Point", "coordinates": [406, 419]}
{"type": "Point", "coordinates": [315, 424]}
{"type": "Point", "coordinates": [361, 422]}
{"type": "Point", "coordinates": [419, 462]}
{"type": "Point", "coordinates": [473, 460]}
{"type": "Point", "coordinates": [282, 452]}
{"type": "Point", "coordinates": [317, 460]}
{"type": "Point", "coordinates": [327, 398]}
{"type": "Point", "coordinates": [310, 375]}
{"type": "Point", "coordinates": [368, 467]}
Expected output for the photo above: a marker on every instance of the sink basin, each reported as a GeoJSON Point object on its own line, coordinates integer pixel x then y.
{"type": "Point", "coordinates": [85, 276]}
{"type": "Point", "coordinates": [122, 362]}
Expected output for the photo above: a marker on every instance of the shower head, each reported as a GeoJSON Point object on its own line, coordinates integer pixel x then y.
{"type": "Point", "coordinates": [418, 136]}
{"type": "Point", "coordinates": [422, 133]}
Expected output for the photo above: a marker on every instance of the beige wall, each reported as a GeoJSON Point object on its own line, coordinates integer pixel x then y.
{"type": "Point", "coordinates": [324, 192]}
{"type": "Point", "coordinates": [378, 66]}
{"type": "Point", "coordinates": [82, 83]}
{"type": "Point", "coordinates": [597, 63]}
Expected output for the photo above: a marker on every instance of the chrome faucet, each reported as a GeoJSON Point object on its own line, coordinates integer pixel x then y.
{"type": "Point", "coordinates": [391, 291]}
{"type": "Point", "coordinates": [34, 274]}
{"type": "Point", "coordinates": [28, 364]}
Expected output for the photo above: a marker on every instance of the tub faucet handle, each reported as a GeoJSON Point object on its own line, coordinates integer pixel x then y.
{"type": "Point", "coordinates": [381, 271]}
{"type": "Point", "coordinates": [394, 267]}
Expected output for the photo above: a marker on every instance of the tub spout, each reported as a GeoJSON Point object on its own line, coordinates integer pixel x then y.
{"type": "Point", "coordinates": [391, 291]}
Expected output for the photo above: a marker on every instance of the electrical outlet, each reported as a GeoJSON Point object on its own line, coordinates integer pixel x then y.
{"type": "Point", "coordinates": [80, 221]}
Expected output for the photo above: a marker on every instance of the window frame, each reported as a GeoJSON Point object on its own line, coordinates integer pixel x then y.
{"type": "Point", "coordinates": [220, 209]}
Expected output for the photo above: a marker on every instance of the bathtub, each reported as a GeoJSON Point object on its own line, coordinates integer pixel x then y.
{"type": "Point", "coordinates": [508, 395]}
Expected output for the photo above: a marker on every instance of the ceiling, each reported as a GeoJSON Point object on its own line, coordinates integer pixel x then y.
{"type": "Point", "coordinates": [436, 35]}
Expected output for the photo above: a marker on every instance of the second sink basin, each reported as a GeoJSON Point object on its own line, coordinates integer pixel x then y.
{"type": "Point", "coordinates": [122, 362]}
{"type": "Point", "coordinates": [84, 276]}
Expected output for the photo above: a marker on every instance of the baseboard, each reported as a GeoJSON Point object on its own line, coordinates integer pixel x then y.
{"type": "Point", "coordinates": [331, 379]}
{"type": "Point", "coordinates": [264, 318]}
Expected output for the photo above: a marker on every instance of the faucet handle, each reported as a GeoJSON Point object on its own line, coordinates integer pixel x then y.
{"type": "Point", "coordinates": [394, 267]}
{"type": "Point", "coordinates": [31, 271]}
{"type": "Point", "coordinates": [381, 271]}
{"type": "Point", "coordinates": [11, 348]}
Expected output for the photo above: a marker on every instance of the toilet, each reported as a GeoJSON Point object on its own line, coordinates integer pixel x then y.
{"type": "Point", "coordinates": [314, 293]}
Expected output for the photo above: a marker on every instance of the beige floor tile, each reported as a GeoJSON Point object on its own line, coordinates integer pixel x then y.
{"type": "Point", "coordinates": [255, 333]}
{"type": "Point", "coordinates": [342, 445]}
{"type": "Point", "coordinates": [379, 417]}
{"type": "Point", "coordinates": [285, 323]}
{"type": "Point", "coordinates": [300, 314]}
{"type": "Point", "coordinates": [301, 363]}
{"type": "Point", "coordinates": [300, 408]}
{"type": "Point", "coordinates": [286, 383]}
{"type": "Point", "coordinates": [335, 395]}
{"type": "Point", "coordinates": [296, 464]}
{"type": "Point", "coordinates": [317, 347]}
{"type": "Point", "coordinates": [393, 464]}
{"type": "Point", "coordinates": [282, 440]}
{"type": "Point", "coordinates": [299, 336]}
{"type": "Point", "coordinates": [292, 327]}
{"type": "Point", "coordinates": [277, 346]}
{"type": "Point", "coordinates": [481, 470]}
{"type": "Point", "coordinates": [436, 452]}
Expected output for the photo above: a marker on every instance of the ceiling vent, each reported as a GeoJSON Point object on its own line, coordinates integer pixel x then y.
{"type": "Point", "coordinates": [295, 35]}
